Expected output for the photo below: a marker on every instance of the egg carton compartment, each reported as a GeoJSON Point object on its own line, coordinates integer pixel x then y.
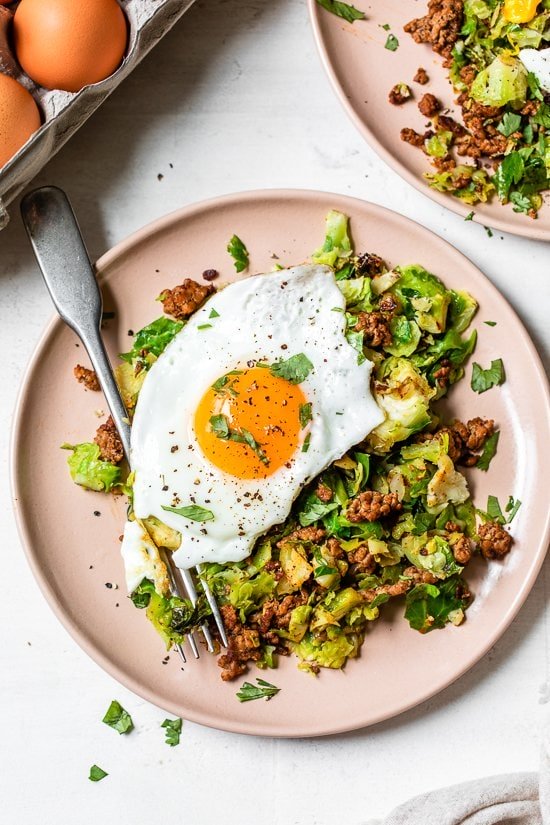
{"type": "Point", "coordinates": [64, 112]}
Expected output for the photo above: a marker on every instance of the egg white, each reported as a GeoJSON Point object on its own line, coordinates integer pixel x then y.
{"type": "Point", "coordinates": [537, 61]}
{"type": "Point", "coordinates": [142, 559]}
{"type": "Point", "coordinates": [266, 317]}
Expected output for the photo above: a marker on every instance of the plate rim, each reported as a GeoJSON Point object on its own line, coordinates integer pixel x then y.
{"type": "Point", "coordinates": [529, 231]}
{"type": "Point", "coordinates": [106, 260]}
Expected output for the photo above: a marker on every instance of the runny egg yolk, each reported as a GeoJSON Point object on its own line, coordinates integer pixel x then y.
{"type": "Point", "coordinates": [520, 11]}
{"type": "Point", "coordinates": [248, 423]}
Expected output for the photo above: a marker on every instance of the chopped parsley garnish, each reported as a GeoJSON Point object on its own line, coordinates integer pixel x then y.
{"type": "Point", "coordinates": [305, 445]}
{"type": "Point", "coordinates": [494, 510]}
{"type": "Point", "coordinates": [490, 323]}
{"type": "Point", "coordinates": [392, 43]}
{"type": "Point", "coordinates": [489, 231]}
{"type": "Point", "coordinates": [118, 718]}
{"type": "Point", "coordinates": [97, 774]}
{"type": "Point", "coordinates": [385, 26]}
{"type": "Point", "coordinates": [489, 451]}
{"type": "Point", "coordinates": [192, 511]}
{"type": "Point", "coordinates": [295, 369]}
{"type": "Point", "coordinates": [483, 380]}
{"type": "Point", "coordinates": [469, 216]}
{"type": "Point", "coordinates": [225, 384]}
{"type": "Point", "coordinates": [534, 86]}
{"type": "Point", "coordinates": [173, 731]}
{"type": "Point", "coordinates": [220, 428]}
{"type": "Point", "coordinates": [262, 690]}
{"type": "Point", "coordinates": [512, 507]}
{"type": "Point", "coordinates": [238, 252]}
{"type": "Point", "coordinates": [213, 313]}
{"type": "Point", "coordinates": [344, 10]}
{"type": "Point", "coordinates": [510, 171]}
{"type": "Point", "coordinates": [243, 436]}
{"type": "Point", "coordinates": [305, 415]}
{"type": "Point", "coordinates": [204, 326]}
{"type": "Point", "coordinates": [220, 425]}
{"type": "Point", "coordinates": [509, 124]}
{"type": "Point", "coordinates": [356, 340]}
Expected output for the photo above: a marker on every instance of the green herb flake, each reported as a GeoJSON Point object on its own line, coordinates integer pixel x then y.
{"type": "Point", "coordinates": [356, 340]}
{"type": "Point", "coordinates": [173, 731]}
{"type": "Point", "coordinates": [213, 313]}
{"type": "Point", "coordinates": [262, 690]}
{"type": "Point", "coordinates": [483, 380]}
{"type": "Point", "coordinates": [343, 10]}
{"type": "Point", "coordinates": [204, 326]}
{"type": "Point", "coordinates": [97, 774]}
{"type": "Point", "coordinates": [510, 171]}
{"type": "Point", "coordinates": [243, 436]}
{"type": "Point", "coordinates": [509, 124]}
{"type": "Point", "coordinates": [220, 385]}
{"type": "Point", "coordinates": [305, 415]}
{"type": "Point", "coordinates": [238, 252]}
{"type": "Point", "coordinates": [494, 510]}
{"type": "Point", "coordinates": [192, 511]}
{"type": "Point", "coordinates": [489, 231]}
{"type": "Point", "coordinates": [305, 445]}
{"type": "Point", "coordinates": [512, 507]}
{"type": "Point", "coordinates": [118, 718]}
{"type": "Point", "coordinates": [220, 426]}
{"type": "Point", "coordinates": [392, 43]}
{"type": "Point", "coordinates": [385, 26]}
{"type": "Point", "coordinates": [295, 369]}
{"type": "Point", "coordinates": [490, 323]}
{"type": "Point", "coordinates": [469, 216]}
{"type": "Point", "coordinates": [489, 451]}
{"type": "Point", "coordinates": [534, 86]}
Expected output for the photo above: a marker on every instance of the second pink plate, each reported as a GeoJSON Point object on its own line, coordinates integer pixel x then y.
{"type": "Point", "coordinates": [362, 73]}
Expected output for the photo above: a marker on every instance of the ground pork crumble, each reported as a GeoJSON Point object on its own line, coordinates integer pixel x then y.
{"type": "Point", "coordinates": [183, 300]}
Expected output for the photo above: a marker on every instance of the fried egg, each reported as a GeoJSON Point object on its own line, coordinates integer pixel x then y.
{"type": "Point", "coordinates": [254, 397]}
{"type": "Point", "coordinates": [537, 61]}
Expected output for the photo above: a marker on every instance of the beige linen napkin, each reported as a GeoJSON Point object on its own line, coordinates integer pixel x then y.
{"type": "Point", "coordinates": [510, 799]}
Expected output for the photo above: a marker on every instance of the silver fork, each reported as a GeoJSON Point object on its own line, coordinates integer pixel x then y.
{"type": "Point", "coordinates": [67, 270]}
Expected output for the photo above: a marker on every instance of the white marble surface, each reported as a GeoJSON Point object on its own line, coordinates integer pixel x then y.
{"type": "Point", "coordinates": [235, 98]}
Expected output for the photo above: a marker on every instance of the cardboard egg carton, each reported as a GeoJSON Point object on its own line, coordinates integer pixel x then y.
{"type": "Point", "coordinates": [64, 112]}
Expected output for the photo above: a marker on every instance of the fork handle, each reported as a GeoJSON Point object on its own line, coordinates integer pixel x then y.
{"type": "Point", "coordinates": [100, 362]}
{"type": "Point", "coordinates": [69, 276]}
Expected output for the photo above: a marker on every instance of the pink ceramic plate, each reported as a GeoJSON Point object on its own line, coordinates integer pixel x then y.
{"type": "Point", "coordinates": [362, 72]}
{"type": "Point", "coordinates": [72, 536]}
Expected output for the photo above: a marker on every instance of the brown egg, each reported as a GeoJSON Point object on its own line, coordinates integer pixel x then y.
{"type": "Point", "coordinates": [7, 60]}
{"type": "Point", "coordinates": [19, 117]}
{"type": "Point", "coordinates": [67, 44]}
